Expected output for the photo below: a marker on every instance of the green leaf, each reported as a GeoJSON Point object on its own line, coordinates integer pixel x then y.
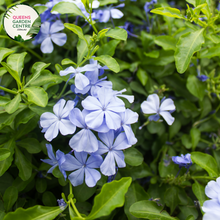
{"type": "Point", "coordinates": [36, 70]}
{"type": "Point", "coordinates": [67, 61]}
{"type": "Point", "coordinates": [191, 217]}
{"type": "Point", "coordinates": [133, 157]}
{"type": "Point", "coordinates": [187, 45]}
{"type": "Point", "coordinates": [82, 48]}
{"type": "Point", "coordinates": [152, 54]}
{"type": "Point", "coordinates": [211, 52]}
{"type": "Point", "coordinates": [5, 164]}
{"type": "Point", "coordinates": [142, 76]}
{"type": "Point", "coordinates": [4, 52]}
{"type": "Point", "coordinates": [10, 197]}
{"type": "Point", "coordinates": [167, 11]}
{"type": "Point", "coordinates": [166, 42]}
{"type": "Point", "coordinates": [30, 144]}
{"type": "Point", "coordinates": [77, 30]}
{"type": "Point", "coordinates": [24, 166]}
{"type": "Point", "coordinates": [110, 62]}
{"type": "Point", "coordinates": [186, 140]}
{"type": "Point", "coordinates": [2, 71]}
{"type": "Point", "coordinates": [13, 73]}
{"type": "Point", "coordinates": [68, 8]}
{"type": "Point", "coordinates": [171, 198]}
{"type": "Point", "coordinates": [41, 185]}
{"type": "Point", "coordinates": [117, 33]}
{"type": "Point", "coordinates": [108, 48]}
{"type": "Point", "coordinates": [23, 117]}
{"type": "Point", "coordinates": [149, 210]}
{"type": "Point", "coordinates": [135, 193]}
{"type": "Point", "coordinates": [135, 86]}
{"type": "Point", "coordinates": [16, 62]}
{"type": "Point", "coordinates": [34, 213]}
{"type": "Point", "coordinates": [207, 162]}
{"type": "Point", "coordinates": [106, 2]}
{"type": "Point", "coordinates": [196, 87]}
{"type": "Point", "coordinates": [49, 199]}
{"type": "Point", "coordinates": [111, 196]}
{"type": "Point", "coordinates": [12, 106]}
{"type": "Point", "coordinates": [195, 136]}
{"type": "Point", "coordinates": [199, 192]}
{"type": "Point", "coordinates": [37, 95]}
{"type": "Point", "coordinates": [4, 154]}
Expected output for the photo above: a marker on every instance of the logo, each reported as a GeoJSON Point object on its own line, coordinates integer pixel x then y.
{"type": "Point", "coordinates": [21, 22]}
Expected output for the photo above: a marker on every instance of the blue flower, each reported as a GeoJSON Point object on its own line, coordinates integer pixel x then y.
{"type": "Point", "coordinates": [61, 203]}
{"type": "Point", "coordinates": [147, 6]}
{"type": "Point", "coordinates": [113, 150]}
{"type": "Point", "coordinates": [127, 118]}
{"type": "Point", "coordinates": [48, 33]}
{"type": "Point", "coordinates": [111, 12]}
{"type": "Point", "coordinates": [103, 110]}
{"type": "Point", "coordinates": [202, 78]}
{"type": "Point", "coordinates": [183, 161]}
{"type": "Point", "coordinates": [55, 161]}
{"type": "Point", "coordinates": [152, 106]}
{"type": "Point", "coordinates": [128, 26]}
{"type": "Point", "coordinates": [83, 167]}
{"type": "Point", "coordinates": [212, 207]}
{"type": "Point", "coordinates": [81, 81]}
{"type": "Point", "coordinates": [84, 140]}
{"type": "Point", "coordinates": [53, 123]}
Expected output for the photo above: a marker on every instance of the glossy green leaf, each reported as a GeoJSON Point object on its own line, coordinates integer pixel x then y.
{"type": "Point", "coordinates": [2, 71]}
{"type": "Point", "coordinates": [10, 197]}
{"type": "Point", "coordinates": [34, 213]}
{"type": "Point", "coordinates": [49, 199]}
{"type": "Point", "coordinates": [166, 42]}
{"type": "Point", "coordinates": [13, 73]}
{"type": "Point", "coordinates": [4, 154]}
{"type": "Point", "coordinates": [82, 48]}
{"type": "Point", "coordinates": [171, 198]}
{"type": "Point", "coordinates": [186, 141]}
{"type": "Point", "coordinates": [76, 29]}
{"type": "Point", "coordinates": [106, 2]}
{"type": "Point", "coordinates": [24, 166]}
{"type": "Point", "coordinates": [196, 87]}
{"type": "Point", "coordinates": [149, 210]}
{"type": "Point", "coordinates": [195, 136]}
{"type": "Point", "coordinates": [207, 162]}
{"type": "Point", "coordinates": [187, 45]}
{"type": "Point", "coordinates": [4, 52]}
{"type": "Point", "coordinates": [142, 76]}
{"type": "Point", "coordinates": [191, 217]}
{"type": "Point", "coordinates": [152, 54]}
{"type": "Point", "coordinates": [16, 62]}
{"type": "Point", "coordinates": [110, 62]}
{"type": "Point", "coordinates": [67, 61]}
{"type": "Point", "coordinates": [135, 86]}
{"type": "Point", "coordinates": [117, 33]}
{"type": "Point", "coordinates": [199, 192]}
{"type": "Point", "coordinates": [211, 52]}
{"type": "Point", "coordinates": [108, 48]}
{"type": "Point", "coordinates": [133, 157]}
{"type": "Point", "coordinates": [12, 106]}
{"type": "Point", "coordinates": [111, 196]}
{"type": "Point", "coordinates": [135, 193]}
{"type": "Point", "coordinates": [30, 144]}
{"type": "Point", "coordinates": [37, 95]}
{"type": "Point", "coordinates": [5, 164]}
{"type": "Point", "coordinates": [68, 8]}
{"type": "Point", "coordinates": [36, 70]}
{"type": "Point", "coordinates": [167, 11]}
{"type": "Point", "coordinates": [41, 185]}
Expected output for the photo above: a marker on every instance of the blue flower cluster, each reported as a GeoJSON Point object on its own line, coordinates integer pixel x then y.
{"type": "Point", "coordinates": [212, 207]}
{"type": "Point", "coordinates": [183, 161]}
{"type": "Point", "coordinates": [103, 122]}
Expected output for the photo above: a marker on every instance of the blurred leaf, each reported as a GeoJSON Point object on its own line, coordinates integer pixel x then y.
{"type": "Point", "coordinates": [207, 162]}
{"type": "Point", "coordinates": [187, 45]}
{"type": "Point", "coordinates": [82, 48]}
{"type": "Point", "coordinates": [133, 157]}
{"type": "Point", "coordinates": [12, 106]}
{"type": "Point", "coordinates": [4, 52]}
{"type": "Point", "coordinates": [49, 199]}
{"type": "Point", "coordinates": [30, 144]}
{"type": "Point", "coordinates": [4, 154]}
{"type": "Point", "coordinates": [167, 11]}
{"type": "Point", "coordinates": [166, 42]}
{"type": "Point", "coordinates": [117, 33]}
{"type": "Point", "coordinates": [171, 198]}
{"type": "Point", "coordinates": [111, 196]}
{"type": "Point", "coordinates": [10, 197]}
{"type": "Point", "coordinates": [142, 76]}
{"type": "Point", "coordinates": [195, 136]}
{"type": "Point", "coordinates": [135, 86]}
{"type": "Point", "coordinates": [108, 48]}
{"type": "Point", "coordinates": [199, 192]}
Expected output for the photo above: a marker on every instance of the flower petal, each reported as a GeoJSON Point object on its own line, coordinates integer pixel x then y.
{"type": "Point", "coordinates": [94, 119]}
{"type": "Point", "coordinates": [56, 26]}
{"type": "Point", "coordinates": [66, 127]}
{"type": "Point", "coordinates": [91, 177]}
{"type": "Point", "coordinates": [167, 105]}
{"type": "Point", "coordinates": [77, 177]}
{"type": "Point", "coordinates": [59, 38]}
{"type": "Point", "coordinates": [58, 107]}
{"type": "Point", "coordinates": [47, 119]}
{"type": "Point", "coordinates": [121, 142]}
{"type": "Point", "coordinates": [108, 166]}
{"type": "Point", "coordinates": [167, 117]}
{"type": "Point", "coordinates": [45, 28]}
{"type": "Point", "coordinates": [76, 117]}
{"type": "Point", "coordinates": [71, 163]}
{"type": "Point", "coordinates": [67, 71]}
{"type": "Point", "coordinates": [107, 138]}
{"type": "Point", "coordinates": [130, 135]}
{"type": "Point", "coordinates": [151, 105]}
{"type": "Point", "coordinates": [81, 81]}
{"type": "Point", "coordinates": [94, 161]}
{"type": "Point", "coordinates": [91, 103]}
{"type": "Point", "coordinates": [113, 120]}
{"type": "Point", "coordinates": [119, 157]}
{"type": "Point", "coordinates": [52, 131]}
{"type": "Point", "coordinates": [115, 13]}
{"type": "Point", "coordinates": [81, 157]}
{"type": "Point", "coordinates": [47, 46]}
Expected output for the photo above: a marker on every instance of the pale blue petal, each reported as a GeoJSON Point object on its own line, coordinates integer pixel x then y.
{"type": "Point", "coordinates": [88, 67]}
{"type": "Point", "coordinates": [108, 166]}
{"type": "Point", "coordinates": [81, 81]}
{"type": "Point", "coordinates": [130, 117]}
{"type": "Point", "coordinates": [77, 118]}
{"type": "Point", "coordinates": [91, 177]}
{"type": "Point", "coordinates": [47, 119]}
{"type": "Point", "coordinates": [50, 152]}
{"type": "Point", "coordinates": [94, 161]}
{"type": "Point", "coordinates": [167, 105]}
{"type": "Point", "coordinates": [119, 157]}
{"type": "Point", "coordinates": [102, 148]}
{"type": "Point", "coordinates": [58, 107]}
{"type": "Point", "coordinates": [103, 128]}
{"type": "Point", "coordinates": [52, 131]}
{"type": "Point", "coordinates": [130, 135]}
{"type": "Point", "coordinates": [121, 142]}
{"type": "Point", "coordinates": [77, 177]}
{"type": "Point", "coordinates": [66, 127]}
{"type": "Point", "coordinates": [81, 157]}
{"type": "Point", "coordinates": [154, 117]}
{"type": "Point", "coordinates": [107, 138]}
{"type": "Point", "coordinates": [113, 120]}
{"type": "Point", "coordinates": [56, 27]}
{"type": "Point", "coordinates": [52, 168]}
{"type": "Point", "coordinates": [66, 110]}
{"type": "Point", "coordinates": [212, 190]}
{"type": "Point", "coordinates": [49, 161]}
{"type": "Point", "coordinates": [167, 117]}
{"type": "Point", "coordinates": [67, 71]}
{"type": "Point", "coordinates": [71, 163]}
{"type": "Point", "coordinates": [59, 38]}
{"type": "Point", "coordinates": [91, 103]}
{"type": "Point", "coordinates": [47, 46]}
{"type": "Point", "coordinates": [94, 119]}
{"type": "Point", "coordinates": [45, 28]}
{"type": "Point", "coordinates": [115, 13]}
{"type": "Point", "coordinates": [105, 16]}
{"type": "Point", "coordinates": [151, 105]}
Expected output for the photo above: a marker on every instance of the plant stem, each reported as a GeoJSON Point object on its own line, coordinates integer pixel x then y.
{"type": "Point", "coordinates": [72, 203]}
{"type": "Point", "coordinates": [203, 177]}
{"type": "Point", "coordinates": [8, 90]}
{"type": "Point", "coordinates": [62, 91]}
{"type": "Point", "coordinates": [26, 48]}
